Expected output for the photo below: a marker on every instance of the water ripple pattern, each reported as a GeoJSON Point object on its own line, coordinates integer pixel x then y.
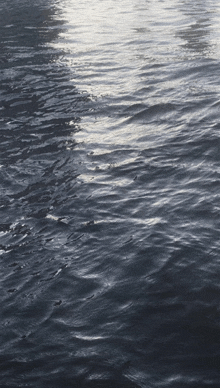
{"type": "Point", "coordinates": [110, 178]}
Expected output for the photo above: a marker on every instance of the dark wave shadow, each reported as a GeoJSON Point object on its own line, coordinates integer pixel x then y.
{"type": "Point", "coordinates": [195, 34]}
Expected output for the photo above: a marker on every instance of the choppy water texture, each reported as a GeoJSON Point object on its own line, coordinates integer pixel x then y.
{"type": "Point", "coordinates": [110, 179]}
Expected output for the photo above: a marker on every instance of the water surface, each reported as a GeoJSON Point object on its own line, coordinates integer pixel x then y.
{"type": "Point", "coordinates": [109, 172]}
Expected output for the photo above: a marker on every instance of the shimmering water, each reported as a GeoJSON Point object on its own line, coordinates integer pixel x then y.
{"type": "Point", "coordinates": [110, 178]}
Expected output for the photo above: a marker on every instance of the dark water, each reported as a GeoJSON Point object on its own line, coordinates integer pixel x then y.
{"type": "Point", "coordinates": [110, 181]}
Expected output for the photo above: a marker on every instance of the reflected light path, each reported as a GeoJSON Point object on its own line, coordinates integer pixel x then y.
{"type": "Point", "coordinates": [127, 56]}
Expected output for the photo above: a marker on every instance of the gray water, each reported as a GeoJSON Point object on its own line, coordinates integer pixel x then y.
{"type": "Point", "coordinates": [110, 178]}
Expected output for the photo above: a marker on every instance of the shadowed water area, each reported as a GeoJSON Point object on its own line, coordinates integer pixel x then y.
{"type": "Point", "coordinates": [110, 204]}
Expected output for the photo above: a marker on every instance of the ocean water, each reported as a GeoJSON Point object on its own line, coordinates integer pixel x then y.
{"type": "Point", "coordinates": [110, 194]}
